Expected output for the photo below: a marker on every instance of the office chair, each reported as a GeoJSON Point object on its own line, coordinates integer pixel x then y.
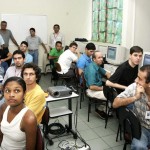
{"type": "Point", "coordinates": [110, 93]}
{"type": "Point", "coordinates": [131, 125]}
{"type": "Point", "coordinates": [39, 140]}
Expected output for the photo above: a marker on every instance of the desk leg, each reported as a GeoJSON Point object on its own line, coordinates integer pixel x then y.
{"type": "Point", "coordinates": [70, 116]}
{"type": "Point", "coordinates": [69, 128]}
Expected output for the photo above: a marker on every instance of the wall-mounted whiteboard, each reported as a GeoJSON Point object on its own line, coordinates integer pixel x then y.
{"type": "Point", "coordinates": [20, 24]}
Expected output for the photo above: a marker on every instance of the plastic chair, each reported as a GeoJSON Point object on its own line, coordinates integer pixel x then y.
{"type": "Point", "coordinates": [64, 78]}
{"type": "Point", "coordinates": [93, 100]}
{"type": "Point", "coordinates": [110, 93]}
{"type": "Point", "coordinates": [131, 125]}
{"type": "Point", "coordinates": [39, 140]}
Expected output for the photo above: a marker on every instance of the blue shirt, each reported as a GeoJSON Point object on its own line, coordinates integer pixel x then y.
{"type": "Point", "coordinates": [83, 62]}
{"type": "Point", "coordinates": [93, 74]}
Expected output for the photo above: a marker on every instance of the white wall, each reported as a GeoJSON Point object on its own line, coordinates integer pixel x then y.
{"type": "Point", "coordinates": [136, 27]}
{"type": "Point", "coordinates": [73, 16]}
{"type": "Point", "coordinates": [142, 24]}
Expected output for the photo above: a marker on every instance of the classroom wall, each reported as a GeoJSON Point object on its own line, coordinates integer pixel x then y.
{"type": "Point", "coordinates": [142, 24]}
{"type": "Point", "coordinates": [73, 16]}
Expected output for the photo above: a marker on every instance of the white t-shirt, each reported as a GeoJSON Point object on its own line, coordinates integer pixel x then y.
{"type": "Point", "coordinates": [65, 60]}
{"type": "Point", "coordinates": [1, 40]}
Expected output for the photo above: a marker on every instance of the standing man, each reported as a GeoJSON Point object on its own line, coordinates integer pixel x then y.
{"type": "Point", "coordinates": [1, 42]}
{"type": "Point", "coordinates": [85, 59]}
{"type": "Point", "coordinates": [7, 34]}
{"type": "Point", "coordinates": [138, 94]}
{"type": "Point", "coordinates": [93, 76]}
{"type": "Point", "coordinates": [56, 36]}
{"type": "Point", "coordinates": [33, 42]}
{"type": "Point", "coordinates": [15, 70]}
{"type": "Point", "coordinates": [35, 96]}
{"type": "Point", "coordinates": [126, 73]}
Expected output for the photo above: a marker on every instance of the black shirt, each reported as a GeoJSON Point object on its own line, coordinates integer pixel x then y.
{"type": "Point", "coordinates": [124, 75]}
{"type": "Point", "coordinates": [3, 54]}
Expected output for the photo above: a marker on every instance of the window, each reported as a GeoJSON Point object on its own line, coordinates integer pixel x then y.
{"type": "Point", "coordinates": [107, 21]}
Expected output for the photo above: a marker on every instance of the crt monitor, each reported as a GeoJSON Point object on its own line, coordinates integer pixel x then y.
{"type": "Point", "coordinates": [116, 54]}
{"type": "Point", "coordinates": [146, 59]}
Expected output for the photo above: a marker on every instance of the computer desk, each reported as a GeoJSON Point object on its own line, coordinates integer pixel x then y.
{"type": "Point", "coordinates": [62, 111]}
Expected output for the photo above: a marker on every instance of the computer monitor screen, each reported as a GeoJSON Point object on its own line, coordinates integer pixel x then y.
{"type": "Point", "coordinates": [111, 54]}
{"type": "Point", "coordinates": [146, 59]}
{"type": "Point", "coordinates": [116, 54]}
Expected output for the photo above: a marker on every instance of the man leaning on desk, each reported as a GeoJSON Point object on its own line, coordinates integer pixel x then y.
{"type": "Point", "coordinates": [127, 72]}
{"type": "Point", "coordinates": [93, 76]}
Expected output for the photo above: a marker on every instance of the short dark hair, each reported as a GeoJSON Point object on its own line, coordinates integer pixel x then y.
{"type": "Point", "coordinates": [3, 22]}
{"type": "Point", "coordinates": [19, 52]}
{"type": "Point", "coordinates": [136, 49]}
{"type": "Point", "coordinates": [90, 46]}
{"type": "Point", "coordinates": [73, 44]}
{"type": "Point", "coordinates": [57, 25]}
{"type": "Point", "coordinates": [58, 42]}
{"type": "Point", "coordinates": [33, 29]}
{"type": "Point", "coordinates": [35, 68]}
{"type": "Point", "coordinates": [146, 68]}
{"type": "Point", "coordinates": [19, 80]}
{"type": "Point", "coordinates": [25, 43]}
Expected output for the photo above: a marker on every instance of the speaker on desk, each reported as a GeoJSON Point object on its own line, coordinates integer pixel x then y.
{"type": "Point", "coordinates": [59, 91]}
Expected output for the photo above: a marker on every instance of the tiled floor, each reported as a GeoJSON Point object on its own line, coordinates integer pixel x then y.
{"type": "Point", "coordinates": [92, 132]}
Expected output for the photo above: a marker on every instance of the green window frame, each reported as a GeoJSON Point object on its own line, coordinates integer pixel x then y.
{"type": "Point", "coordinates": [107, 21]}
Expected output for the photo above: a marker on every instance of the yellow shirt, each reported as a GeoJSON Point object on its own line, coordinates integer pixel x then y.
{"type": "Point", "coordinates": [35, 101]}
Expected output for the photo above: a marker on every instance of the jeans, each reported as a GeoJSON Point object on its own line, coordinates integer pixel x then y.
{"type": "Point", "coordinates": [5, 66]}
{"type": "Point", "coordinates": [143, 142]}
{"type": "Point", "coordinates": [35, 55]}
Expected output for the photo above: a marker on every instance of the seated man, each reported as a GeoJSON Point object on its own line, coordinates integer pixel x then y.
{"type": "Point", "coordinates": [24, 48]}
{"type": "Point", "coordinates": [138, 93]}
{"type": "Point", "coordinates": [66, 58]}
{"type": "Point", "coordinates": [15, 70]}
{"type": "Point", "coordinates": [55, 53]}
{"type": "Point", "coordinates": [126, 73]}
{"type": "Point", "coordinates": [93, 76]}
{"type": "Point", "coordinates": [4, 55]}
{"type": "Point", "coordinates": [35, 96]}
{"type": "Point", "coordinates": [85, 59]}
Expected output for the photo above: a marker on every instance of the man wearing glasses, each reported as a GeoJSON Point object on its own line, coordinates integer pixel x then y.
{"type": "Point", "coordinates": [15, 70]}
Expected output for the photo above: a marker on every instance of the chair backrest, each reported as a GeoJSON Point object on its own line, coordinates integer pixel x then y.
{"type": "Point", "coordinates": [130, 122]}
{"type": "Point", "coordinates": [45, 117]}
{"type": "Point", "coordinates": [110, 93]}
{"type": "Point", "coordinates": [39, 140]}
{"type": "Point", "coordinates": [58, 67]}
{"type": "Point", "coordinates": [83, 84]}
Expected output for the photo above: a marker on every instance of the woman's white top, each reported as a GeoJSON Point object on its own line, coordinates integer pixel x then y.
{"type": "Point", "coordinates": [13, 137]}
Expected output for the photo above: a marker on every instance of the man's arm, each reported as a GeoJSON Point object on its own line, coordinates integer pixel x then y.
{"type": "Point", "coordinates": [14, 41]}
{"type": "Point", "coordinates": [44, 48]}
{"type": "Point", "coordinates": [9, 56]}
{"type": "Point", "coordinates": [125, 101]}
{"type": "Point", "coordinates": [115, 85]}
{"type": "Point", "coordinates": [108, 75]}
{"type": "Point", "coordinates": [96, 88]}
